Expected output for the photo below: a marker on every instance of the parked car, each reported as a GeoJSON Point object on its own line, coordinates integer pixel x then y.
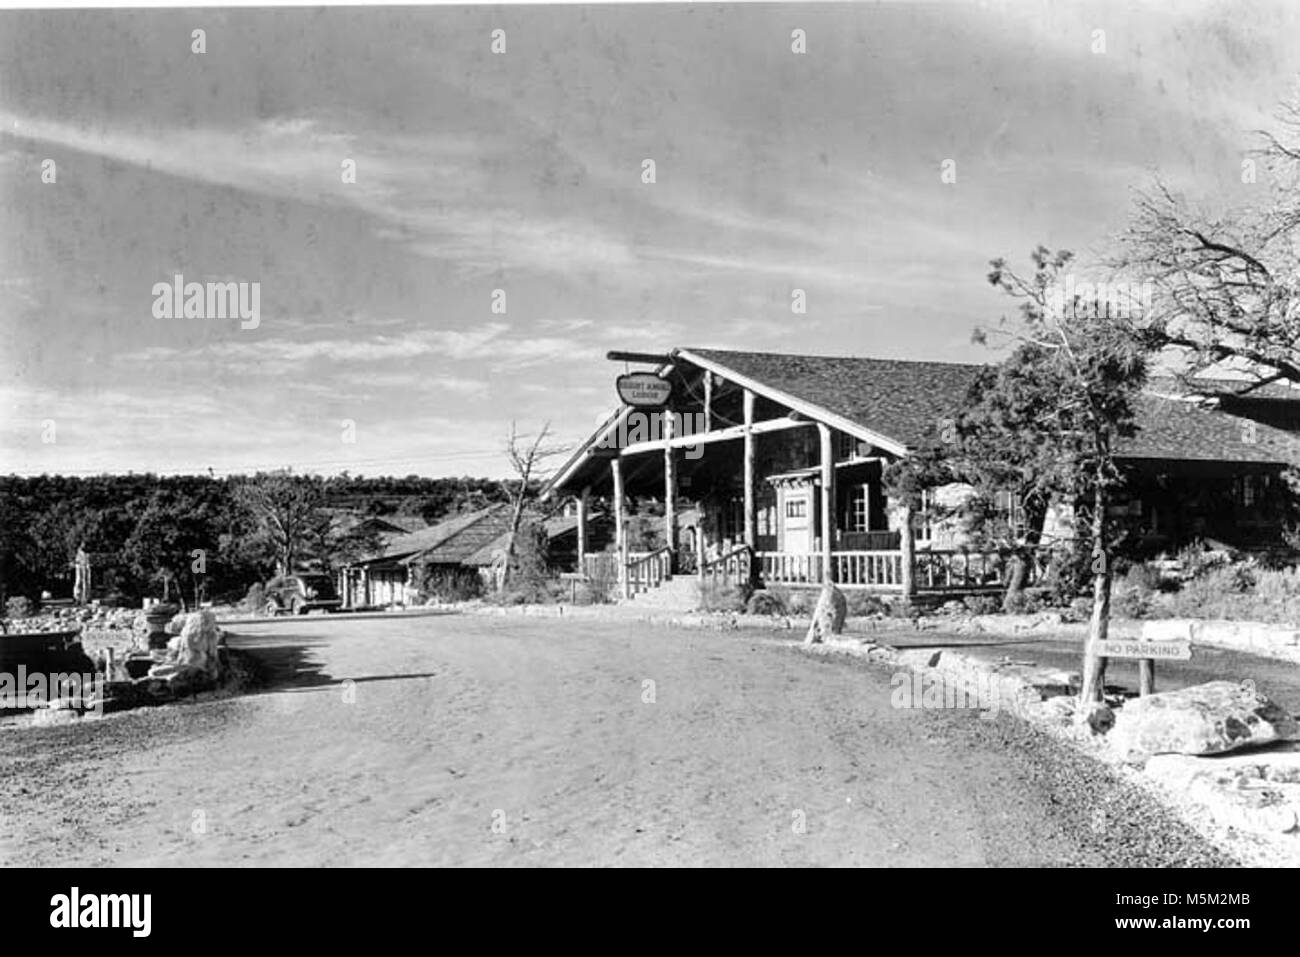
{"type": "Point", "coordinates": [300, 593]}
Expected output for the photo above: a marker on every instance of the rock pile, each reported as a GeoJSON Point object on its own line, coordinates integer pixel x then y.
{"type": "Point", "coordinates": [97, 618]}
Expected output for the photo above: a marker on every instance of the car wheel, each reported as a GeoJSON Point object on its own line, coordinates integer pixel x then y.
{"type": "Point", "coordinates": [272, 609]}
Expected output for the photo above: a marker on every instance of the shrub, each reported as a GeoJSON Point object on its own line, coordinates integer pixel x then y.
{"type": "Point", "coordinates": [801, 601]}
{"type": "Point", "coordinates": [531, 591]}
{"type": "Point", "coordinates": [1241, 593]}
{"type": "Point", "coordinates": [1027, 602]}
{"type": "Point", "coordinates": [1141, 577]}
{"type": "Point", "coordinates": [983, 605]}
{"type": "Point", "coordinates": [865, 605]}
{"type": "Point", "coordinates": [765, 603]}
{"type": "Point", "coordinates": [1197, 560]}
{"type": "Point", "coordinates": [20, 606]}
{"type": "Point", "coordinates": [1069, 573]}
{"type": "Point", "coordinates": [449, 584]}
{"type": "Point", "coordinates": [1131, 602]}
{"type": "Point", "coordinates": [720, 596]}
{"type": "Point", "coordinates": [255, 599]}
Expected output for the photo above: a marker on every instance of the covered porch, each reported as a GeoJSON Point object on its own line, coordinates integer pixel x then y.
{"type": "Point", "coordinates": [731, 481]}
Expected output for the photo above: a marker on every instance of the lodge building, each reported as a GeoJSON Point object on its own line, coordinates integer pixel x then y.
{"type": "Point", "coordinates": [783, 480]}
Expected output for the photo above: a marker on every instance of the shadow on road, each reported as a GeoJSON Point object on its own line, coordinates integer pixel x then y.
{"type": "Point", "coordinates": [287, 663]}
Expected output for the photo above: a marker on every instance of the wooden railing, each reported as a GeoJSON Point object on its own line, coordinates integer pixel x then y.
{"type": "Point", "coordinates": [935, 570]}
{"type": "Point", "coordinates": [602, 566]}
{"type": "Point", "coordinates": [882, 569]}
{"type": "Point", "coordinates": [790, 568]}
{"type": "Point", "coordinates": [647, 571]}
{"type": "Point", "coordinates": [878, 569]}
{"type": "Point", "coordinates": [733, 568]}
{"type": "Point", "coordinates": [963, 569]}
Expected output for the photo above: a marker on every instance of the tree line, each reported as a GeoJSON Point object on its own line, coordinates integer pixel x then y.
{"type": "Point", "coordinates": [197, 538]}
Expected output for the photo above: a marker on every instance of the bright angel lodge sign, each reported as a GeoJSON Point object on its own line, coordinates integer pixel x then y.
{"type": "Point", "coordinates": [643, 389]}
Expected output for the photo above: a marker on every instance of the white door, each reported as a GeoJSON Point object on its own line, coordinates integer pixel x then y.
{"type": "Point", "coordinates": [797, 514]}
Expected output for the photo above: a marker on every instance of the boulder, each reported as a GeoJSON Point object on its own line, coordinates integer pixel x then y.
{"type": "Point", "coordinates": [1096, 715]}
{"type": "Point", "coordinates": [194, 649]}
{"type": "Point", "coordinates": [1211, 718]}
{"type": "Point", "coordinates": [828, 617]}
{"type": "Point", "coordinates": [45, 717]}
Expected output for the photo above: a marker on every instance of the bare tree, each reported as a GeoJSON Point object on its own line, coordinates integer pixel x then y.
{"type": "Point", "coordinates": [529, 461]}
{"type": "Point", "coordinates": [1225, 283]}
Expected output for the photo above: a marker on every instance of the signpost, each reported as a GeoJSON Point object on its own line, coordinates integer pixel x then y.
{"type": "Point", "coordinates": [1168, 650]}
{"type": "Point", "coordinates": [1146, 653]}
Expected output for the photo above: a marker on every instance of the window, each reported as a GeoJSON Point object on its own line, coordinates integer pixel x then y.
{"type": "Point", "coordinates": [1011, 509]}
{"type": "Point", "coordinates": [1247, 491]}
{"type": "Point", "coordinates": [921, 520]}
{"type": "Point", "coordinates": [848, 446]}
{"type": "Point", "coordinates": [860, 508]}
{"type": "Point", "coordinates": [796, 508]}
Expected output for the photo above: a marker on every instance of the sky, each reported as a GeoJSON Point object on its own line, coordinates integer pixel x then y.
{"type": "Point", "coordinates": [383, 343]}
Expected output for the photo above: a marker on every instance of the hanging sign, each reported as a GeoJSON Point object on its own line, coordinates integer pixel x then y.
{"type": "Point", "coordinates": [643, 389]}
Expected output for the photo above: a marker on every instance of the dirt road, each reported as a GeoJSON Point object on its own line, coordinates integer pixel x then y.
{"type": "Point", "coordinates": [465, 740]}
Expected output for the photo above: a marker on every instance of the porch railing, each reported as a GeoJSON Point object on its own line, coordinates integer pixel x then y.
{"type": "Point", "coordinates": [790, 568]}
{"type": "Point", "coordinates": [733, 568]}
{"type": "Point", "coordinates": [879, 569]}
{"type": "Point", "coordinates": [647, 571]}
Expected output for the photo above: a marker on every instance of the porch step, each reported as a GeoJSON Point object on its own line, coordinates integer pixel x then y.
{"type": "Point", "coordinates": [676, 594]}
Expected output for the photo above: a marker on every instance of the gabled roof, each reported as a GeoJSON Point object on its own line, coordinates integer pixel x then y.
{"type": "Point", "coordinates": [1185, 429]}
{"type": "Point", "coordinates": [449, 541]}
{"type": "Point", "coordinates": [406, 523]}
{"type": "Point", "coordinates": [897, 403]}
{"type": "Point", "coordinates": [897, 398]}
{"type": "Point", "coordinates": [559, 525]}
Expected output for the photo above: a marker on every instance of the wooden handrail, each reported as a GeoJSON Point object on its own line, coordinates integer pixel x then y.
{"type": "Point", "coordinates": [649, 570]}
{"type": "Point", "coordinates": [723, 559]}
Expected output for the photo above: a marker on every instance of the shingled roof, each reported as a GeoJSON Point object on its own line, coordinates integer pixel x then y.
{"type": "Point", "coordinates": [903, 400]}
{"type": "Point", "coordinates": [450, 541]}
{"type": "Point", "coordinates": [897, 398]}
{"type": "Point", "coordinates": [1187, 430]}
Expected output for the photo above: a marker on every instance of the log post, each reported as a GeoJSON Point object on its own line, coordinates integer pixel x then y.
{"type": "Point", "coordinates": [907, 545]}
{"type": "Point", "coordinates": [828, 502]}
{"type": "Point", "coordinates": [1146, 676]}
{"type": "Point", "coordinates": [751, 521]}
{"type": "Point", "coordinates": [708, 401]}
{"type": "Point", "coordinates": [670, 489]}
{"type": "Point", "coordinates": [583, 501]}
{"type": "Point", "coordinates": [620, 526]}
{"type": "Point", "coordinates": [700, 552]}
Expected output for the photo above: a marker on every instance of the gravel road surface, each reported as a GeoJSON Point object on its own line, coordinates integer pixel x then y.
{"type": "Point", "coordinates": [475, 740]}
